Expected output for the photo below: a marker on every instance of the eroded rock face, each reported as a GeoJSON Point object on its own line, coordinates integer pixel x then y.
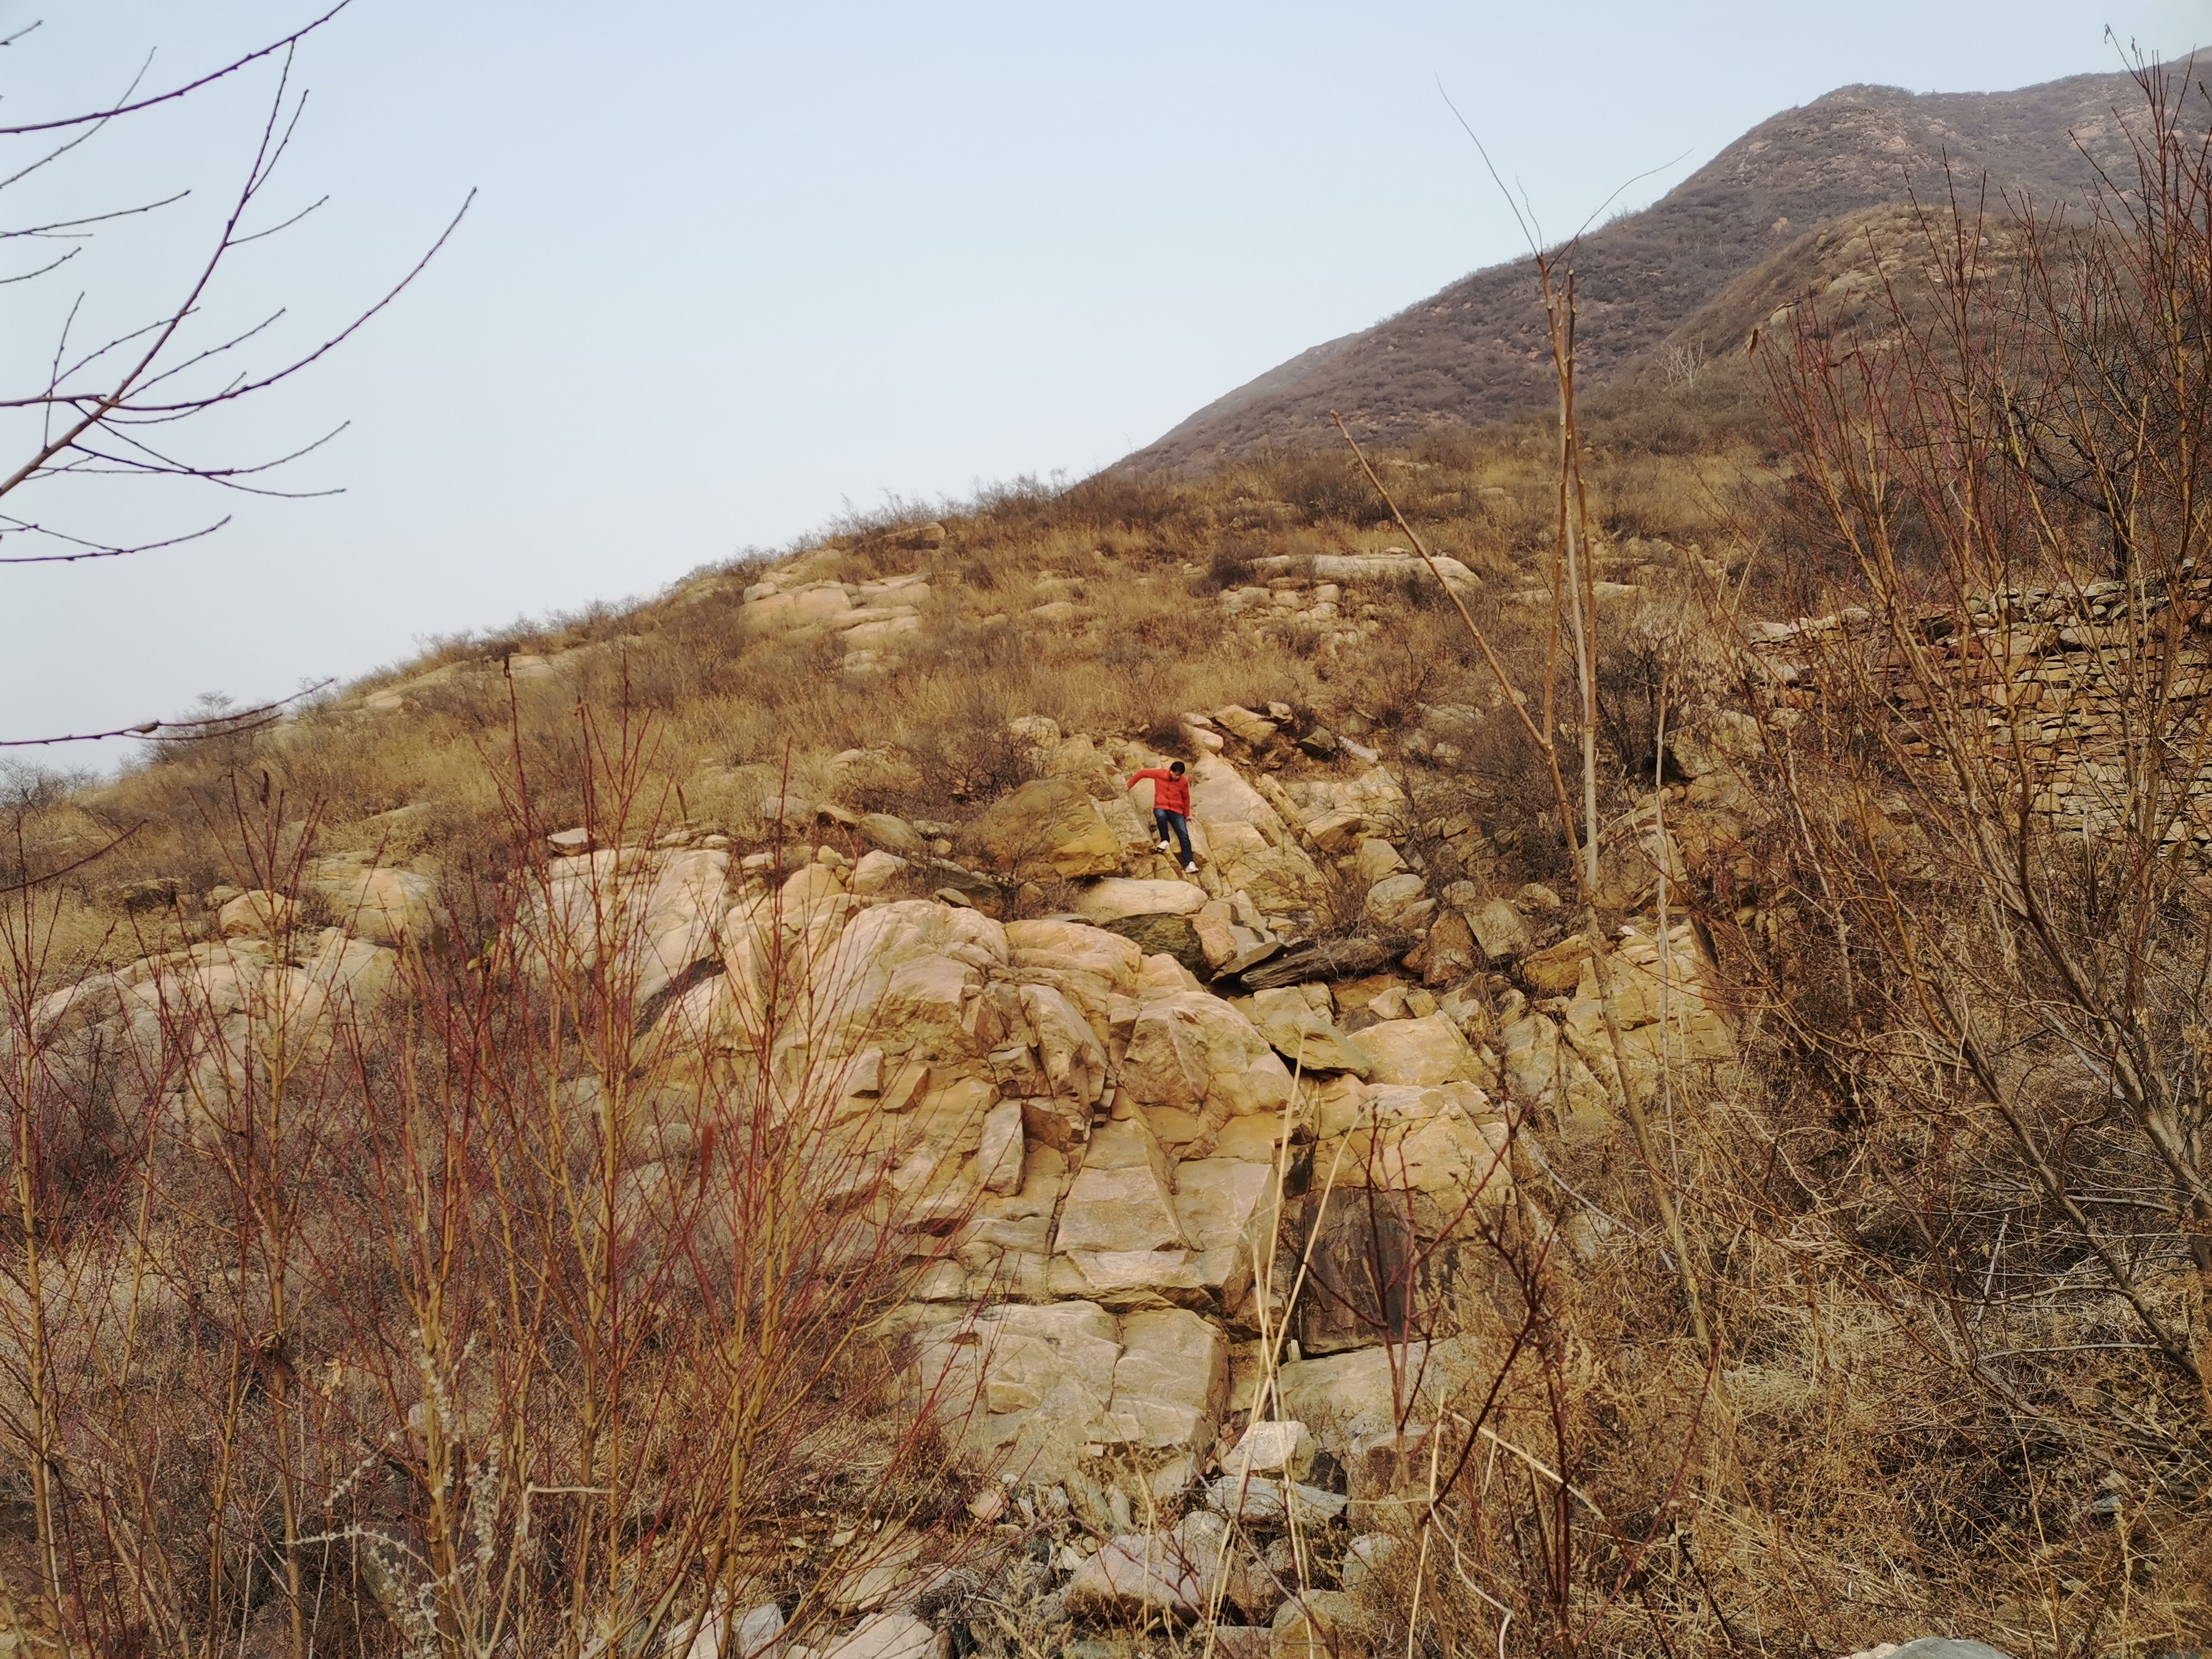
{"type": "Point", "coordinates": [1194, 1054]}
{"type": "Point", "coordinates": [1089, 1161]}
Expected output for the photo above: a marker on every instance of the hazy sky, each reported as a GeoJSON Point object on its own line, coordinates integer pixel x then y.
{"type": "Point", "coordinates": [731, 267]}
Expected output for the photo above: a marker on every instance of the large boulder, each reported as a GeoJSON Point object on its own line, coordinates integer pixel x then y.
{"type": "Point", "coordinates": [1278, 878]}
{"type": "Point", "coordinates": [1049, 828]}
{"type": "Point", "coordinates": [1120, 898]}
{"type": "Point", "coordinates": [1219, 794]}
{"type": "Point", "coordinates": [1019, 1386]}
{"type": "Point", "coordinates": [1444, 1142]}
{"type": "Point", "coordinates": [256, 915]}
{"type": "Point", "coordinates": [385, 906]}
{"type": "Point", "coordinates": [1171, 1384]}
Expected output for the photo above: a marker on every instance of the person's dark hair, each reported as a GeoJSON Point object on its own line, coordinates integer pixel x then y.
{"type": "Point", "coordinates": [1177, 768]}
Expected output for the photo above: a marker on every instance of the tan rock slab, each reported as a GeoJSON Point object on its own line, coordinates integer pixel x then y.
{"type": "Point", "coordinates": [1422, 1052]}
{"type": "Point", "coordinates": [1119, 898]}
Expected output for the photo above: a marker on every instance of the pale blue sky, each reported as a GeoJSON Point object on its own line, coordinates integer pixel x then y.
{"type": "Point", "coordinates": [732, 266]}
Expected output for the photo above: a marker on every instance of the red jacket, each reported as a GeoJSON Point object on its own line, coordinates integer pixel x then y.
{"type": "Point", "coordinates": [1170, 793]}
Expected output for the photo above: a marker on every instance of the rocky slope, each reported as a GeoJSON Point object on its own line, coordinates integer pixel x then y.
{"type": "Point", "coordinates": [1138, 1147]}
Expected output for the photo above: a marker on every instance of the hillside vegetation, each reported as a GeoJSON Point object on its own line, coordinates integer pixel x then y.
{"type": "Point", "coordinates": [1668, 1116]}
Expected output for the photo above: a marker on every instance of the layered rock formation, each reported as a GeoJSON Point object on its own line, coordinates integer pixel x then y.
{"type": "Point", "coordinates": [1152, 1160]}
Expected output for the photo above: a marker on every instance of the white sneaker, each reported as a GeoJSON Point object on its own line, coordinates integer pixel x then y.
{"type": "Point", "coordinates": [1190, 869]}
{"type": "Point", "coordinates": [1163, 847]}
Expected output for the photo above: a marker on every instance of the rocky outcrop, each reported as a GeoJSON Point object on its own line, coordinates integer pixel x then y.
{"type": "Point", "coordinates": [1110, 1145]}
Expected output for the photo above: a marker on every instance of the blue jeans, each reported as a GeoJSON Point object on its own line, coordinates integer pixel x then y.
{"type": "Point", "coordinates": [1163, 822]}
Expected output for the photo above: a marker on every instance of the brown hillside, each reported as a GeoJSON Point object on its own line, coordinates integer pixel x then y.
{"type": "Point", "coordinates": [1475, 352]}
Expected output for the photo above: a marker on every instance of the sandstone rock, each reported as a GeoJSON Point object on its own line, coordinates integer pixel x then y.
{"type": "Point", "coordinates": [1217, 934]}
{"type": "Point", "coordinates": [1304, 1037]}
{"type": "Point", "coordinates": [1241, 722]}
{"type": "Point", "coordinates": [1278, 878]}
{"type": "Point", "coordinates": [1328, 959]}
{"type": "Point", "coordinates": [1347, 1397]}
{"type": "Point", "coordinates": [817, 603]}
{"type": "Point", "coordinates": [1357, 1248]}
{"type": "Point", "coordinates": [1133, 1281]}
{"type": "Point", "coordinates": [1542, 1067]}
{"type": "Point", "coordinates": [1070, 1062]}
{"type": "Point", "coordinates": [1219, 794]}
{"type": "Point", "coordinates": [258, 915]}
{"type": "Point", "coordinates": [1140, 1573]}
{"type": "Point", "coordinates": [923, 1005]}
{"type": "Point", "coordinates": [1447, 954]}
{"type": "Point", "coordinates": [1424, 1140]}
{"type": "Point", "coordinates": [1423, 1052]}
{"type": "Point", "coordinates": [1047, 828]}
{"type": "Point", "coordinates": [864, 630]}
{"type": "Point", "coordinates": [1216, 1200]}
{"type": "Point", "coordinates": [1060, 1122]}
{"type": "Point", "coordinates": [1056, 944]}
{"type": "Point", "coordinates": [1398, 902]}
{"type": "Point", "coordinates": [1375, 860]}
{"type": "Point", "coordinates": [999, 1159]}
{"type": "Point", "coordinates": [1121, 1199]}
{"type": "Point", "coordinates": [877, 870]}
{"type": "Point", "coordinates": [1280, 1448]}
{"type": "Point", "coordinates": [1019, 1386]}
{"type": "Point", "coordinates": [1195, 1053]}
{"type": "Point", "coordinates": [1558, 969]}
{"type": "Point", "coordinates": [889, 1636]}
{"type": "Point", "coordinates": [892, 835]}
{"type": "Point", "coordinates": [1503, 933]}
{"type": "Point", "coordinates": [383, 907]}
{"type": "Point", "coordinates": [1334, 832]}
{"type": "Point", "coordinates": [1119, 898]}
{"type": "Point", "coordinates": [1171, 1384]}
{"type": "Point", "coordinates": [1264, 1500]}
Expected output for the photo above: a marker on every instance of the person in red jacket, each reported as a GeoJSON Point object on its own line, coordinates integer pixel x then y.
{"type": "Point", "coordinates": [1170, 808]}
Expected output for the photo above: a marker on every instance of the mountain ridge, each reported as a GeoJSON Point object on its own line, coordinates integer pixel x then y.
{"type": "Point", "coordinates": [1475, 351]}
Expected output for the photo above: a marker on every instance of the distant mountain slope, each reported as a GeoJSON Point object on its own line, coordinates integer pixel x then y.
{"type": "Point", "coordinates": [1476, 350]}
